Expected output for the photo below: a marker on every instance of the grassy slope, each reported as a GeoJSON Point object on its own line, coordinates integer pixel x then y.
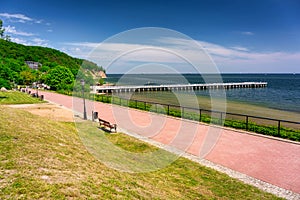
{"type": "Point", "coordinates": [14, 97]}
{"type": "Point", "coordinates": [44, 159]}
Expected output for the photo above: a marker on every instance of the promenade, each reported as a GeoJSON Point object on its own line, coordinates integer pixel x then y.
{"type": "Point", "coordinates": [273, 161]}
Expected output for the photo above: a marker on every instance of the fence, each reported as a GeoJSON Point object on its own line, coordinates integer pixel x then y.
{"type": "Point", "coordinates": [263, 125]}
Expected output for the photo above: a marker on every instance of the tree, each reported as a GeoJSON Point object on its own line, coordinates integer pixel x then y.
{"type": "Point", "coordinates": [60, 78]}
{"type": "Point", "coordinates": [5, 83]}
{"type": "Point", "coordinates": [1, 29]}
{"type": "Point", "coordinates": [27, 77]}
{"type": "Point", "coordinates": [5, 72]}
{"type": "Point", "coordinates": [2, 36]}
{"type": "Point", "coordinates": [101, 81]}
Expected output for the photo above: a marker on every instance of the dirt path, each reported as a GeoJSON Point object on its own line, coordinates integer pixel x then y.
{"type": "Point", "coordinates": [273, 161]}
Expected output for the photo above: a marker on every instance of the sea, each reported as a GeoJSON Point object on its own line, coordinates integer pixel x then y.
{"type": "Point", "coordinates": [282, 91]}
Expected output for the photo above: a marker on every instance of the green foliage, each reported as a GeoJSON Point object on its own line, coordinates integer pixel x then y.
{"type": "Point", "coordinates": [88, 65]}
{"type": "Point", "coordinates": [5, 83]}
{"type": "Point", "coordinates": [44, 68]}
{"type": "Point", "coordinates": [101, 81]}
{"type": "Point", "coordinates": [1, 29]}
{"type": "Point", "coordinates": [60, 78]}
{"type": "Point", "coordinates": [27, 77]}
{"type": "Point", "coordinates": [14, 70]}
{"type": "Point", "coordinates": [45, 56]}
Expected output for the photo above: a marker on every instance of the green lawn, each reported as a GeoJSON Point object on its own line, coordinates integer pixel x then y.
{"type": "Point", "coordinates": [44, 159]}
{"type": "Point", "coordinates": [16, 97]}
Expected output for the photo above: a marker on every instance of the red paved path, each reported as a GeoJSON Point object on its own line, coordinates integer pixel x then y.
{"type": "Point", "coordinates": [272, 161]}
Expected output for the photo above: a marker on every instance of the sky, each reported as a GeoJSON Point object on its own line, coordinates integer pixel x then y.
{"type": "Point", "coordinates": [237, 36]}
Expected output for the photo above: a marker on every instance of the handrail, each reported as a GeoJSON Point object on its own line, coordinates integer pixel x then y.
{"type": "Point", "coordinates": [220, 120]}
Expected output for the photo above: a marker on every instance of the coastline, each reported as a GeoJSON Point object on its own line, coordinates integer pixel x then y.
{"type": "Point", "coordinates": [281, 94]}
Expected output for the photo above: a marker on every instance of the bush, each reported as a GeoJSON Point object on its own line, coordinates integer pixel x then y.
{"type": "Point", "coordinates": [5, 83]}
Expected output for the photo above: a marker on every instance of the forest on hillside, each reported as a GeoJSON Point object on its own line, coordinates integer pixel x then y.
{"type": "Point", "coordinates": [56, 69]}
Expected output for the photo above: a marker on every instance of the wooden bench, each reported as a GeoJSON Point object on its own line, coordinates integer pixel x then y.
{"type": "Point", "coordinates": [106, 124]}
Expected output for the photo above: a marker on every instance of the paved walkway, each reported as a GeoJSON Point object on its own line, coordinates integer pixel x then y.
{"type": "Point", "coordinates": [273, 161]}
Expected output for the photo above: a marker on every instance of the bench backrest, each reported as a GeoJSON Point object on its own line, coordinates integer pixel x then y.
{"type": "Point", "coordinates": [101, 120]}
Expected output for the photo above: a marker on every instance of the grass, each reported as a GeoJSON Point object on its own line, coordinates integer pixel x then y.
{"type": "Point", "coordinates": [45, 159]}
{"type": "Point", "coordinates": [16, 97]}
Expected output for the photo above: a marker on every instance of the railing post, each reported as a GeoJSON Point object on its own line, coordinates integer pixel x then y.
{"type": "Point", "coordinates": [156, 107]}
{"type": "Point", "coordinates": [247, 120]}
{"type": "Point", "coordinates": [221, 117]}
{"type": "Point", "coordinates": [278, 127]}
{"type": "Point", "coordinates": [120, 99]}
{"type": "Point", "coordinates": [182, 115]}
{"type": "Point", "coordinates": [135, 103]}
{"type": "Point", "coordinates": [168, 110]}
{"type": "Point", "coordinates": [200, 112]}
{"type": "Point", "coordinates": [145, 105]}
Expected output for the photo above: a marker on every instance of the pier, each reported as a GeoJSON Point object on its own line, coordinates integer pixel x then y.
{"type": "Point", "coordinates": [177, 87]}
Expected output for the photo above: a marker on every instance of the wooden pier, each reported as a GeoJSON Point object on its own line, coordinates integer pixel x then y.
{"type": "Point", "coordinates": [179, 87]}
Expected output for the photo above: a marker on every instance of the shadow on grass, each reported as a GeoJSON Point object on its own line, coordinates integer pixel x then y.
{"type": "Point", "coordinates": [97, 143]}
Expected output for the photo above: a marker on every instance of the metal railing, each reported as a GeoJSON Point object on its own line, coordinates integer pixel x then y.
{"type": "Point", "coordinates": [264, 125]}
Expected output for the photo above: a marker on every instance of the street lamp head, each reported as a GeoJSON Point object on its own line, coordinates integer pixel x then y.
{"type": "Point", "coordinates": [82, 82]}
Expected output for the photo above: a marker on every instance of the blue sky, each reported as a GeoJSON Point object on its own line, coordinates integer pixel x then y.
{"type": "Point", "coordinates": [240, 35]}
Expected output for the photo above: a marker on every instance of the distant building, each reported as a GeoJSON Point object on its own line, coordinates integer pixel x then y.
{"type": "Point", "coordinates": [33, 65]}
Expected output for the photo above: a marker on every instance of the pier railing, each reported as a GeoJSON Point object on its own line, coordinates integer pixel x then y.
{"type": "Point", "coordinates": [174, 87]}
{"type": "Point", "coordinates": [263, 125]}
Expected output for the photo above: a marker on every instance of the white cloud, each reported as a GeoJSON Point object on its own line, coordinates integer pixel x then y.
{"type": "Point", "coordinates": [228, 59]}
{"type": "Point", "coordinates": [133, 52]}
{"type": "Point", "coordinates": [39, 42]}
{"type": "Point", "coordinates": [247, 33]}
{"type": "Point", "coordinates": [19, 40]}
{"type": "Point", "coordinates": [239, 48]}
{"type": "Point", "coordinates": [12, 30]}
{"type": "Point", "coordinates": [39, 21]}
{"type": "Point", "coordinates": [20, 17]}
{"type": "Point", "coordinates": [30, 41]}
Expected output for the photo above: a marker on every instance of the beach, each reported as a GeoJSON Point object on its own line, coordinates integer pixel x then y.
{"type": "Point", "coordinates": [279, 100]}
{"type": "Point", "coordinates": [205, 103]}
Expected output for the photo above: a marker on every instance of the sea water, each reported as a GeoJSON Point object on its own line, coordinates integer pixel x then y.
{"type": "Point", "coordinates": [282, 91]}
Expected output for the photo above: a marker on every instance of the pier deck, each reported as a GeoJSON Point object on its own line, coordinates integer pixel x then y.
{"type": "Point", "coordinates": [178, 87]}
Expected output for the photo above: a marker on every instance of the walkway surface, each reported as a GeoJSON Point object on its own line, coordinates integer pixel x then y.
{"type": "Point", "coordinates": [273, 161]}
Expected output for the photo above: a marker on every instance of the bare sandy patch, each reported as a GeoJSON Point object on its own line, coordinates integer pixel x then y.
{"type": "Point", "coordinates": [48, 110]}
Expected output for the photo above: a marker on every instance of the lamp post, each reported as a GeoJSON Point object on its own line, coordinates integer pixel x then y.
{"type": "Point", "coordinates": [84, 109]}
{"type": "Point", "coordinates": [37, 89]}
